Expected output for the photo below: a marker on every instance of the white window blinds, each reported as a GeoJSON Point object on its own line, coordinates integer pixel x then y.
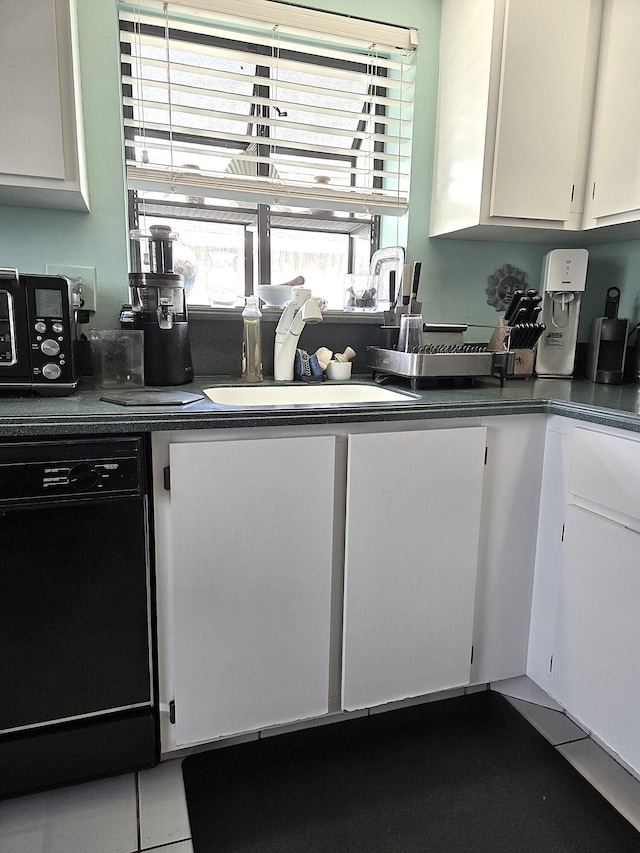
{"type": "Point", "coordinates": [273, 104]}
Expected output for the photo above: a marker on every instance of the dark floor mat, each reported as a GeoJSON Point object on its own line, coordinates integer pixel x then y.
{"type": "Point", "coordinates": [466, 774]}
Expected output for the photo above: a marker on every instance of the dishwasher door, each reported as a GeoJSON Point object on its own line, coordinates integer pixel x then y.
{"type": "Point", "coordinates": [76, 621]}
{"type": "Point", "coordinates": [73, 611]}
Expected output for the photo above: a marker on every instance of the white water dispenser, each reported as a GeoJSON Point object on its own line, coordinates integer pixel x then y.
{"type": "Point", "coordinates": [564, 275]}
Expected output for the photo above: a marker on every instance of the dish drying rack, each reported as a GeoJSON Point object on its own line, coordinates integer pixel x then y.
{"type": "Point", "coordinates": [443, 355]}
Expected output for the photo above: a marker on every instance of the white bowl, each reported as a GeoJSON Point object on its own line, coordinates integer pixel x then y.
{"type": "Point", "coordinates": [274, 294]}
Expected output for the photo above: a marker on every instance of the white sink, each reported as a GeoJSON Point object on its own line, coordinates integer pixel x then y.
{"type": "Point", "coordinates": [325, 394]}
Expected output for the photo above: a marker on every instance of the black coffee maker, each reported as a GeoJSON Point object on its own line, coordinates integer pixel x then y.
{"type": "Point", "coordinates": [158, 308]}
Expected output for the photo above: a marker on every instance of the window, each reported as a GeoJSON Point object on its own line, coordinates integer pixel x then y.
{"type": "Point", "coordinates": [272, 142]}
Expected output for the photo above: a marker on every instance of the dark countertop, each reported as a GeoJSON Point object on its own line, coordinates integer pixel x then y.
{"type": "Point", "coordinates": [83, 413]}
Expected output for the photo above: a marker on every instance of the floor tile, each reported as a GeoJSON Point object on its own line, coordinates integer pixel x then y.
{"type": "Point", "coordinates": [163, 805]}
{"type": "Point", "coordinates": [98, 817]}
{"type": "Point", "coordinates": [555, 726]}
{"type": "Point", "coordinates": [605, 774]}
{"type": "Point", "coordinates": [524, 688]}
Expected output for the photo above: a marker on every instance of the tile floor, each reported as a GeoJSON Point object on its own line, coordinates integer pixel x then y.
{"type": "Point", "coordinates": [147, 811]}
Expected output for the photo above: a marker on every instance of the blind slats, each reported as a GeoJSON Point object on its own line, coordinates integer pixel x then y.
{"type": "Point", "coordinates": [276, 124]}
{"type": "Point", "coordinates": [324, 152]}
{"type": "Point", "coordinates": [199, 93]}
{"type": "Point", "coordinates": [242, 188]}
{"type": "Point", "coordinates": [186, 35]}
{"type": "Point", "coordinates": [208, 77]}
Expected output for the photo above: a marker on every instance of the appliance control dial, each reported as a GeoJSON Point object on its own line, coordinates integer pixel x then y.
{"type": "Point", "coordinates": [50, 347]}
{"type": "Point", "coordinates": [51, 370]}
{"type": "Point", "coordinates": [58, 328]}
{"type": "Point", "coordinates": [41, 327]}
{"type": "Point", "coordinates": [83, 476]}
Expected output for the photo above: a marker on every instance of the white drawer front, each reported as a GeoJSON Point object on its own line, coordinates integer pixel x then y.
{"type": "Point", "coordinates": [605, 469]}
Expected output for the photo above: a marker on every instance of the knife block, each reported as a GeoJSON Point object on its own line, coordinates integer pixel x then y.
{"type": "Point", "coordinates": [524, 363]}
{"type": "Point", "coordinates": [524, 359]}
{"type": "Point", "coordinates": [498, 338]}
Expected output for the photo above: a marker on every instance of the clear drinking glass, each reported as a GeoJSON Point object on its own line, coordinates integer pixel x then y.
{"type": "Point", "coordinates": [410, 332]}
{"type": "Point", "coordinates": [117, 356]}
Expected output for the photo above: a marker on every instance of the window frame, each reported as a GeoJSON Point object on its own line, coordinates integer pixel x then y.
{"type": "Point", "coordinates": [266, 219]}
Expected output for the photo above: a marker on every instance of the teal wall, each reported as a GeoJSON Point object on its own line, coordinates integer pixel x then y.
{"type": "Point", "coordinates": [454, 271]}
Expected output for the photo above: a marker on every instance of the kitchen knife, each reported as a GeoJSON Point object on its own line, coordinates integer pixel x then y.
{"type": "Point", "coordinates": [417, 267]}
{"type": "Point", "coordinates": [533, 304]}
{"type": "Point", "coordinates": [519, 316]}
{"type": "Point", "coordinates": [511, 307]}
{"type": "Point", "coordinates": [527, 337]}
{"type": "Point", "coordinates": [406, 284]}
{"type": "Point", "coordinates": [538, 333]}
{"type": "Point", "coordinates": [518, 336]}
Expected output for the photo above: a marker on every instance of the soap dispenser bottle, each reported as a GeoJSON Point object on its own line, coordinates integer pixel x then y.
{"type": "Point", "coordinates": [251, 341]}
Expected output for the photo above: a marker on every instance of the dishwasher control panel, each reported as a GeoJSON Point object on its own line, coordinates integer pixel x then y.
{"type": "Point", "coordinates": [60, 470]}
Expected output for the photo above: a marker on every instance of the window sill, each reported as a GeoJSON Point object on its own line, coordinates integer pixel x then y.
{"type": "Point", "coordinates": [272, 315]}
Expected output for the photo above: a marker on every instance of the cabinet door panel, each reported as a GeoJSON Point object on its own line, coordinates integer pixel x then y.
{"type": "Point", "coordinates": [596, 661]}
{"type": "Point", "coordinates": [42, 157]}
{"type": "Point", "coordinates": [616, 156]}
{"type": "Point", "coordinates": [31, 142]}
{"type": "Point", "coordinates": [413, 517]}
{"type": "Point", "coordinates": [252, 541]}
{"type": "Point", "coordinates": [544, 53]}
{"type": "Point", "coordinates": [605, 470]}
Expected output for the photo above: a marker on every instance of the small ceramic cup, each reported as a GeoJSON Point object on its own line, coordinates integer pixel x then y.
{"type": "Point", "coordinates": [339, 370]}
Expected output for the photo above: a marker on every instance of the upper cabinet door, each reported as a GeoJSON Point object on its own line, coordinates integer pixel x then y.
{"type": "Point", "coordinates": [515, 100]}
{"type": "Point", "coordinates": [41, 149]}
{"type": "Point", "coordinates": [614, 185]}
{"type": "Point", "coordinates": [544, 48]}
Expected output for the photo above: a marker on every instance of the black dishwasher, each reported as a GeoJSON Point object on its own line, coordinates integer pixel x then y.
{"type": "Point", "coordinates": [77, 652]}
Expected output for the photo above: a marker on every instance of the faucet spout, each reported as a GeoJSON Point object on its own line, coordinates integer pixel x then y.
{"type": "Point", "coordinates": [301, 310]}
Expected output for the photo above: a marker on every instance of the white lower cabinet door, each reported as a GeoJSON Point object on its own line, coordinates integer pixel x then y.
{"type": "Point", "coordinates": [413, 520]}
{"type": "Point", "coordinates": [252, 543]}
{"type": "Point", "coordinates": [596, 658]}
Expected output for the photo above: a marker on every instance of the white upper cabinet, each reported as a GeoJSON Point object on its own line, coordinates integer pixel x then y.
{"type": "Point", "coordinates": [544, 46]}
{"type": "Point", "coordinates": [538, 121]}
{"type": "Point", "coordinates": [41, 149]}
{"type": "Point", "coordinates": [614, 175]}
{"type": "Point", "coordinates": [514, 107]}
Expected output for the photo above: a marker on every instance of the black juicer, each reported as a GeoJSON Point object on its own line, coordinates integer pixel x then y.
{"type": "Point", "coordinates": [159, 309]}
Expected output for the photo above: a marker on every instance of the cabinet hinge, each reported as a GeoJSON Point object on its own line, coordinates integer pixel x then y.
{"type": "Point", "coordinates": [486, 454]}
{"type": "Point", "coordinates": [471, 661]}
{"type": "Point", "coordinates": [551, 664]}
{"type": "Point", "coordinates": [573, 191]}
{"type": "Point", "coordinates": [172, 712]}
{"type": "Point", "coordinates": [167, 478]}
{"type": "Point", "coordinates": [593, 191]}
{"type": "Point", "coordinates": [562, 537]}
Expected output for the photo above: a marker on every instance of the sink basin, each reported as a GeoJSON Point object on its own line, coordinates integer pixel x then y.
{"type": "Point", "coordinates": [326, 394]}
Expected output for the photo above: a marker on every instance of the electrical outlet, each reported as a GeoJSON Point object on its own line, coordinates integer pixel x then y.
{"type": "Point", "coordinates": [86, 276]}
